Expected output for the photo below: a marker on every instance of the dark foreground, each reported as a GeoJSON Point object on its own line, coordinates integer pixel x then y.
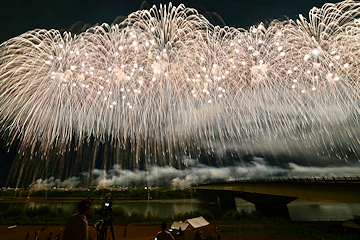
{"type": "Point", "coordinates": [239, 231]}
{"type": "Point", "coordinates": [20, 232]}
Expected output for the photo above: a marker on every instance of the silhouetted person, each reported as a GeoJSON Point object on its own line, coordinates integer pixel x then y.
{"type": "Point", "coordinates": [125, 229]}
{"type": "Point", "coordinates": [217, 232]}
{"type": "Point", "coordinates": [37, 234]}
{"type": "Point", "coordinates": [49, 237]}
{"type": "Point", "coordinates": [77, 226]}
{"type": "Point", "coordinates": [164, 235]}
{"type": "Point", "coordinates": [180, 232]}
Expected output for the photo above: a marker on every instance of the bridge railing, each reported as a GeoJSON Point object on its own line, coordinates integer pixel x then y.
{"type": "Point", "coordinates": [322, 179]}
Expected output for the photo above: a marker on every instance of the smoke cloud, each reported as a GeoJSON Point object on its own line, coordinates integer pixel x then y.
{"type": "Point", "coordinates": [52, 182]}
{"type": "Point", "coordinates": [197, 173]}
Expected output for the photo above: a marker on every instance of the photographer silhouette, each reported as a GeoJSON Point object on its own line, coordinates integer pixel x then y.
{"type": "Point", "coordinates": [77, 226]}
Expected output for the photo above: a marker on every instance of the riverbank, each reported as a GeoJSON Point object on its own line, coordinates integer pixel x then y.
{"type": "Point", "coordinates": [240, 231]}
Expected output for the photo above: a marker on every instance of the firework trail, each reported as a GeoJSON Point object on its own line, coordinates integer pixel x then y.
{"type": "Point", "coordinates": [165, 83]}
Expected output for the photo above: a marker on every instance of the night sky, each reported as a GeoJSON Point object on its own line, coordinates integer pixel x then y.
{"type": "Point", "coordinates": [19, 16]}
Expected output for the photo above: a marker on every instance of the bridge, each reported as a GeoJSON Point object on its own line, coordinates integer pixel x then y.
{"type": "Point", "coordinates": [273, 194]}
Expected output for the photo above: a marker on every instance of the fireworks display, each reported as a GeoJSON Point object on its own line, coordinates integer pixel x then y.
{"type": "Point", "coordinates": [165, 83]}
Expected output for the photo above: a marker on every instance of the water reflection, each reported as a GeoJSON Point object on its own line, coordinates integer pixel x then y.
{"type": "Point", "coordinates": [300, 209]}
{"type": "Point", "coordinates": [162, 207]}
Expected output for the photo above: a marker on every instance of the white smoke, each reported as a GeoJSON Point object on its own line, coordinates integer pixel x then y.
{"type": "Point", "coordinates": [197, 173]}
{"type": "Point", "coordinates": [52, 182]}
{"type": "Point", "coordinates": [333, 171]}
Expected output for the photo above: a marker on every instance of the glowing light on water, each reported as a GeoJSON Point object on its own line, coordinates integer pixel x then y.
{"type": "Point", "coordinates": [166, 81]}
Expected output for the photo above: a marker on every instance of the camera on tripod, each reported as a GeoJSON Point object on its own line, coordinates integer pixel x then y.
{"type": "Point", "coordinates": [103, 226]}
{"type": "Point", "coordinates": [108, 202]}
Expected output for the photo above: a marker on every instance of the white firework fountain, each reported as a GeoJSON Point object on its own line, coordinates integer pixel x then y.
{"type": "Point", "coordinates": [165, 83]}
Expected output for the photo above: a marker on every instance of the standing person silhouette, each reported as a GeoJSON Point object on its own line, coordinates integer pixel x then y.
{"type": "Point", "coordinates": [125, 229]}
{"type": "Point", "coordinates": [37, 234]}
{"type": "Point", "coordinates": [164, 235]}
{"type": "Point", "coordinates": [77, 226]}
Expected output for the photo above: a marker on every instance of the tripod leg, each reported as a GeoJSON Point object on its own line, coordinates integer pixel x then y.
{"type": "Point", "coordinates": [112, 230]}
{"type": "Point", "coordinates": [103, 233]}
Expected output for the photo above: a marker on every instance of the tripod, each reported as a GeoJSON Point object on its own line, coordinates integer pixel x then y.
{"type": "Point", "coordinates": [102, 228]}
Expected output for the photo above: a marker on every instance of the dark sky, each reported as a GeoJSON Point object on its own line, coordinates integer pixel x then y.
{"type": "Point", "coordinates": [19, 16]}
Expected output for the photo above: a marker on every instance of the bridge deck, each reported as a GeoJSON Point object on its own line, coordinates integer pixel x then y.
{"type": "Point", "coordinates": [334, 189]}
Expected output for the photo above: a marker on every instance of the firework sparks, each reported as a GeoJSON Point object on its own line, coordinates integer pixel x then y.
{"type": "Point", "coordinates": [166, 79]}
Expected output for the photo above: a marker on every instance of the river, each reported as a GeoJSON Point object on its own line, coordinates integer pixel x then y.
{"type": "Point", "coordinates": [300, 209]}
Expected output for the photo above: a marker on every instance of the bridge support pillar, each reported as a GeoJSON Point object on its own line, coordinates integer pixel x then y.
{"type": "Point", "coordinates": [227, 202]}
{"type": "Point", "coordinates": [269, 205]}
{"type": "Point", "coordinates": [273, 209]}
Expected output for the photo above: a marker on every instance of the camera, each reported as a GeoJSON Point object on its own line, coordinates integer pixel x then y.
{"type": "Point", "coordinates": [108, 202]}
{"type": "Point", "coordinates": [108, 205]}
